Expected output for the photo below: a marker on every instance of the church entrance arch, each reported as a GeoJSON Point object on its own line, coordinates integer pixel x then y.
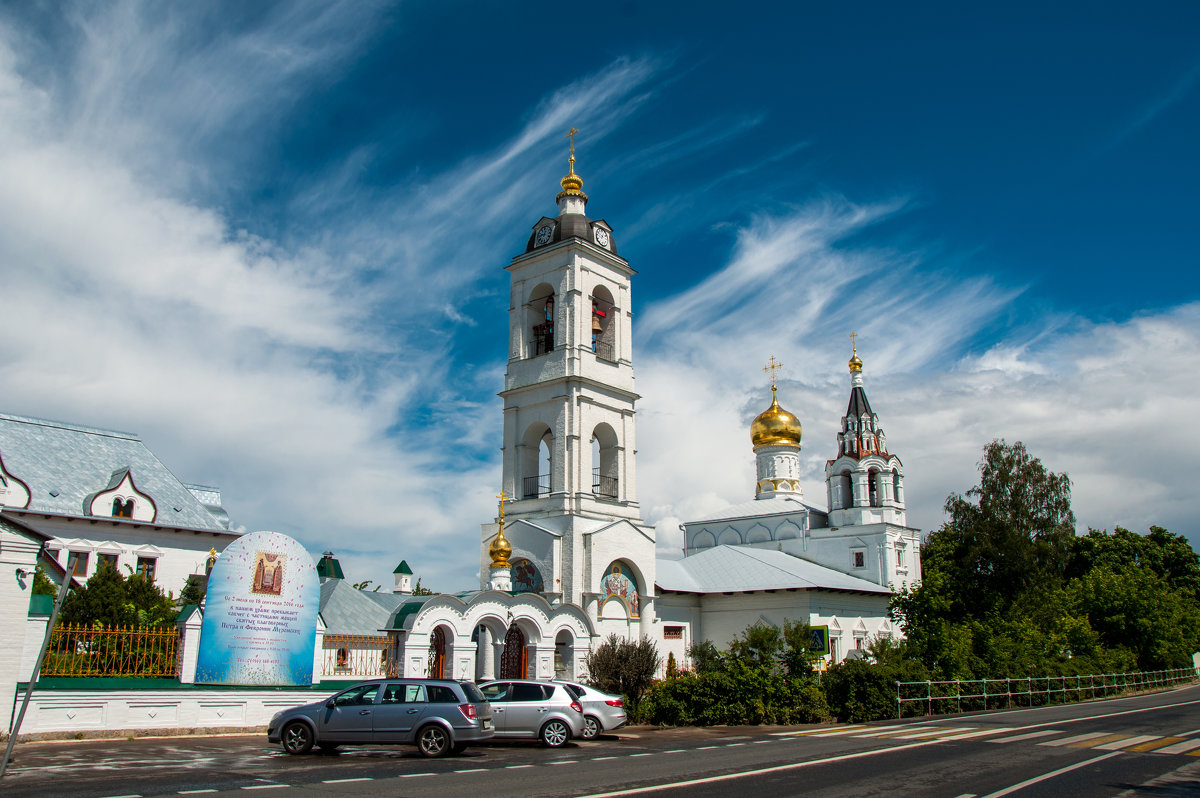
{"type": "Point", "coordinates": [514, 662]}
{"type": "Point", "coordinates": [437, 654]}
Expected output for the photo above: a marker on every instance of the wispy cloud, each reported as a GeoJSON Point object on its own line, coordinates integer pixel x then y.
{"type": "Point", "coordinates": [1177, 92]}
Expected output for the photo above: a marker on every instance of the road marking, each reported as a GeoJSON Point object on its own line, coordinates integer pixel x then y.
{"type": "Point", "coordinates": [829, 732]}
{"type": "Point", "coordinates": [648, 753]}
{"type": "Point", "coordinates": [1179, 748]}
{"type": "Point", "coordinates": [1076, 739]}
{"type": "Point", "coordinates": [971, 735]}
{"type": "Point", "coordinates": [559, 762]}
{"type": "Point", "coordinates": [773, 769]}
{"type": "Point", "coordinates": [602, 758]}
{"type": "Point", "coordinates": [733, 745]}
{"type": "Point", "coordinates": [966, 795]}
{"type": "Point", "coordinates": [195, 792]}
{"type": "Point", "coordinates": [1128, 742]}
{"type": "Point", "coordinates": [1050, 775]}
{"type": "Point", "coordinates": [475, 770]}
{"type": "Point", "coordinates": [516, 767]}
{"type": "Point", "coordinates": [332, 781]}
{"type": "Point", "coordinates": [760, 742]}
{"type": "Point", "coordinates": [264, 786]}
{"type": "Point", "coordinates": [1096, 741]}
{"type": "Point", "coordinates": [894, 730]}
{"type": "Point", "coordinates": [934, 733]}
{"type": "Point", "coordinates": [706, 747]}
{"type": "Point", "coordinates": [1160, 742]}
{"type": "Point", "coordinates": [131, 795]}
{"type": "Point", "coordinates": [1030, 736]}
{"type": "Point", "coordinates": [419, 775]}
{"type": "Point", "coordinates": [675, 751]}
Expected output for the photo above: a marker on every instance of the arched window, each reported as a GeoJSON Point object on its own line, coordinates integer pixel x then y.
{"type": "Point", "coordinates": [847, 487]}
{"type": "Point", "coordinates": [122, 508]}
{"type": "Point", "coordinates": [896, 486]}
{"type": "Point", "coordinates": [873, 486]}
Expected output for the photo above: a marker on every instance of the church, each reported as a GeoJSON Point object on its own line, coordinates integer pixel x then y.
{"type": "Point", "coordinates": [569, 561]}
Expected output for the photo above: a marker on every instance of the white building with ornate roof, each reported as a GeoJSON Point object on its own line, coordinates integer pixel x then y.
{"type": "Point", "coordinates": [103, 495]}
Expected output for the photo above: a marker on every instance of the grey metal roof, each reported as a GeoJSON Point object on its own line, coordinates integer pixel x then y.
{"type": "Point", "coordinates": [739, 569]}
{"type": "Point", "coordinates": [356, 612]}
{"type": "Point", "coordinates": [775, 505]}
{"type": "Point", "coordinates": [62, 464]}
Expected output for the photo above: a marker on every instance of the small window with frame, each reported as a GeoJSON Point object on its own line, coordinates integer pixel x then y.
{"type": "Point", "coordinates": [858, 559]}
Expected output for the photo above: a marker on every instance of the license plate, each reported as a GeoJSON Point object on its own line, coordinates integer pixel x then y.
{"type": "Point", "coordinates": [487, 724]}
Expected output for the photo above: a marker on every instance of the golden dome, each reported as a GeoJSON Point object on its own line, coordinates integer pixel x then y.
{"type": "Point", "coordinates": [775, 426]}
{"type": "Point", "coordinates": [855, 363]}
{"type": "Point", "coordinates": [571, 182]}
{"type": "Point", "coordinates": [500, 550]}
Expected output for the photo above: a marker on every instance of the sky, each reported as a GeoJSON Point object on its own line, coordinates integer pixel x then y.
{"type": "Point", "coordinates": [270, 239]}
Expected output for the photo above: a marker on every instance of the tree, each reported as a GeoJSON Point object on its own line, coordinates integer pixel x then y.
{"type": "Point", "coordinates": [111, 600]}
{"type": "Point", "coordinates": [363, 585]}
{"type": "Point", "coordinates": [706, 657]}
{"type": "Point", "coordinates": [422, 591]}
{"type": "Point", "coordinates": [624, 667]}
{"type": "Point", "coordinates": [42, 586]}
{"type": "Point", "coordinates": [193, 591]}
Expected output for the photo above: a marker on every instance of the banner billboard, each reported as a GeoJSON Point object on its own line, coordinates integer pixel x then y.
{"type": "Point", "coordinates": [260, 615]}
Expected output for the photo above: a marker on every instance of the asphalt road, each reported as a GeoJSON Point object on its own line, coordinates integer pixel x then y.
{"type": "Point", "coordinates": [1141, 746]}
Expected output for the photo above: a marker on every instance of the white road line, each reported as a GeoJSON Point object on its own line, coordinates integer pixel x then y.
{"type": "Point", "coordinates": [1047, 776]}
{"type": "Point", "coordinates": [1126, 743]}
{"type": "Point", "coordinates": [675, 751]}
{"type": "Point", "coordinates": [264, 786]}
{"type": "Point", "coordinates": [707, 747]}
{"type": "Point", "coordinates": [131, 795]}
{"type": "Point", "coordinates": [892, 730]}
{"type": "Point", "coordinates": [516, 767]}
{"type": "Point", "coordinates": [559, 762]}
{"type": "Point", "coordinates": [602, 758]}
{"type": "Point", "coordinates": [760, 742]}
{"type": "Point", "coordinates": [966, 795]}
{"type": "Point", "coordinates": [1016, 738]}
{"type": "Point", "coordinates": [196, 792]}
{"type": "Point", "coordinates": [1179, 748]}
{"type": "Point", "coordinates": [417, 775]}
{"type": "Point", "coordinates": [935, 733]}
{"type": "Point", "coordinates": [774, 769]}
{"type": "Point", "coordinates": [480, 770]}
{"type": "Point", "coordinates": [971, 735]}
{"type": "Point", "coordinates": [649, 753]}
{"type": "Point", "coordinates": [1079, 738]}
{"type": "Point", "coordinates": [333, 781]}
{"type": "Point", "coordinates": [733, 745]}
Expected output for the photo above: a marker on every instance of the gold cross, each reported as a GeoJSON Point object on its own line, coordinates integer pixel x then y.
{"type": "Point", "coordinates": [503, 499]}
{"type": "Point", "coordinates": [772, 366]}
{"type": "Point", "coordinates": [571, 135]}
{"type": "Point", "coordinates": [853, 342]}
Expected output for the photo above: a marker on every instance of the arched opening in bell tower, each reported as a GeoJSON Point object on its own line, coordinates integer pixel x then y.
{"type": "Point", "coordinates": [605, 462]}
{"type": "Point", "coordinates": [603, 324]}
{"type": "Point", "coordinates": [537, 449]}
{"type": "Point", "coordinates": [540, 320]}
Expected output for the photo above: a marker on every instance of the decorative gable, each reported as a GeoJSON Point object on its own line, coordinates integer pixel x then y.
{"type": "Point", "coordinates": [121, 499]}
{"type": "Point", "coordinates": [13, 492]}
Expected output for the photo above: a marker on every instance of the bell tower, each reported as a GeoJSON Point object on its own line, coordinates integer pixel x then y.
{"type": "Point", "coordinates": [568, 441]}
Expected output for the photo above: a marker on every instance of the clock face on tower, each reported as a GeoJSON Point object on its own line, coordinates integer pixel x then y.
{"type": "Point", "coordinates": [544, 234]}
{"type": "Point", "coordinates": [602, 237]}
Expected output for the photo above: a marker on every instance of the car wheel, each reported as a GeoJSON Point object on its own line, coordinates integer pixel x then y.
{"type": "Point", "coordinates": [297, 738]}
{"type": "Point", "coordinates": [591, 728]}
{"type": "Point", "coordinates": [555, 733]}
{"type": "Point", "coordinates": [433, 741]}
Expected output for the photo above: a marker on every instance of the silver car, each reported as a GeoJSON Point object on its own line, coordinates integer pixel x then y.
{"type": "Point", "coordinates": [541, 710]}
{"type": "Point", "coordinates": [436, 715]}
{"type": "Point", "coordinates": [601, 711]}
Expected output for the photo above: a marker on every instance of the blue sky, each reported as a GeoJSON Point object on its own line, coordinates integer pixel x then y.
{"type": "Point", "coordinates": [270, 239]}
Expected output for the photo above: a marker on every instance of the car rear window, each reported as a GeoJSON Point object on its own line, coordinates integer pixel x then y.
{"type": "Point", "coordinates": [575, 692]}
{"type": "Point", "coordinates": [472, 692]}
{"type": "Point", "coordinates": [528, 692]}
{"type": "Point", "coordinates": [441, 694]}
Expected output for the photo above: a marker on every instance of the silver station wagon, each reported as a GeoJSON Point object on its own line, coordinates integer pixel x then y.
{"type": "Point", "coordinates": [436, 715]}
{"type": "Point", "coordinates": [542, 710]}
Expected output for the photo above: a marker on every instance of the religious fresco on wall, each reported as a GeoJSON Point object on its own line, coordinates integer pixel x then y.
{"type": "Point", "coordinates": [260, 614]}
{"type": "Point", "coordinates": [525, 577]}
{"type": "Point", "coordinates": [619, 583]}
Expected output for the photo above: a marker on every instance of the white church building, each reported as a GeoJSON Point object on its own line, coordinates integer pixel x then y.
{"type": "Point", "coordinates": [569, 559]}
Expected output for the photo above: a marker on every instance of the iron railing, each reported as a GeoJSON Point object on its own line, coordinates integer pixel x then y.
{"type": "Point", "coordinates": [536, 487]}
{"type": "Point", "coordinates": [966, 695]}
{"type": "Point", "coordinates": [543, 339]}
{"type": "Point", "coordinates": [118, 651]}
{"type": "Point", "coordinates": [604, 350]}
{"type": "Point", "coordinates": [604, 487]}
{"type": "Point", "coordinates": [354, 656]}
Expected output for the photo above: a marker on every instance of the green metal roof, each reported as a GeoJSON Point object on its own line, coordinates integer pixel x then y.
{"type": "Point", "coordinates": [403, 568]}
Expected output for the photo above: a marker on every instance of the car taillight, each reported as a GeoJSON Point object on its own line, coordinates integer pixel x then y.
{"type": "Point", "coordinates": [615, 702]}
{"type": "Point", "coordinates": [575, 705]}
{"type": "Point", "coordinates": [468, 711]}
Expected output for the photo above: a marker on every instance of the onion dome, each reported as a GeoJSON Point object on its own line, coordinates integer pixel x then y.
{"type": "Point", "coordinates": [855, 363]}
{"type": "Point", "coordinates": [775, 426]}
{"type": "Point", "coordinates": [500, 550]}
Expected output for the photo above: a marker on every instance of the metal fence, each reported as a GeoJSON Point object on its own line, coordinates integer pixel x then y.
{"type": "Point", "coordinates": [968, 695]}
{"type": "Point", "coordinates": [355, 656]}
{"type": "Point", "coordinates": [129, 652]}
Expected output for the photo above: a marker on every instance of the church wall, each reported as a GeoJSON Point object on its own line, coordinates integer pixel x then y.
{"type": "Point", "coordinates": [680, 611]}
{"type": "Point", "coordinates": [17, 552]}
